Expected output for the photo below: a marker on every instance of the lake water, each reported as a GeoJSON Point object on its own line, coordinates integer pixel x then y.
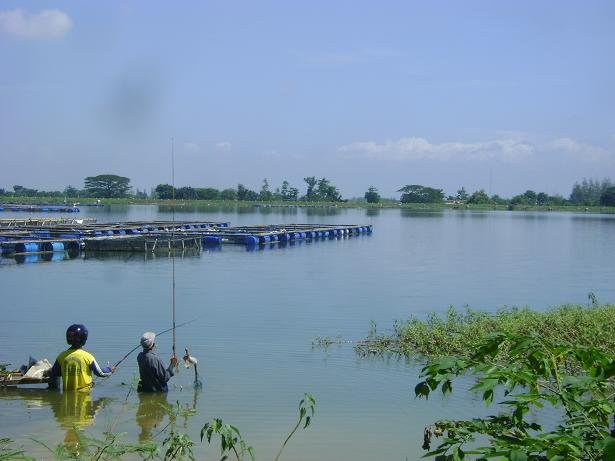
{"type": "Point", "coordinates": [259, 311]}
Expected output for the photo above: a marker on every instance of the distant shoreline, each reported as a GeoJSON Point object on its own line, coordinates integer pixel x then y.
{"type": "Point", "coordinates": [389, 204]}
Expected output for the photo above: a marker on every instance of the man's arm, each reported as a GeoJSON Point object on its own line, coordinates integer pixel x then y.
{"type": "Point", "coordinates": [54, 375]}
{"type": "Point", "coordinates": [102, 372]}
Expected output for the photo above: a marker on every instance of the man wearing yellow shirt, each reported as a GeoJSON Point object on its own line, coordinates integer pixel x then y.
{"type": "Point", "coordinates": [76, 365]}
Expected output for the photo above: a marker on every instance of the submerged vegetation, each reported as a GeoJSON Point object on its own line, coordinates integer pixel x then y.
{"type": "Point", "coordinates": [459, 333]}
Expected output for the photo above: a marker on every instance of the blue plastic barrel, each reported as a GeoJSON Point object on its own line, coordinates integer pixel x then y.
{"type": "Point", "coordinates": [57, 256]}
{"type": "Point", "coordinates": [303, 235]}
{"type": "Point", "coordinates": [283, 237]}
{"type": "Point", "coordinates": [368, 229]}
{"type": "Point", "coordinates": [120, 232]}
{"type": "Point", "coordinates": [72, 246]}
{"type": "Point", "coordinates": [71, 235]}
{"type": "Point", "coordinates": [264, 239]}
{"type": "Point", "coordinates": [29, 247]}
{"type": "Point", "coordinates": [29, 258]}
{"type": "Point", "coordinates": [273, 238]}
{"type": "Point", "coordinates": [53, 246]}
{"type": "Point", "coordinates": [97, 232]}
{"type": "Point", "coordinates": [251, 240]}
{"type": "Point", "coordinates": [325, 234]}
{"type": "Point", "coordinates": [212, 240]}
{"type": "Point", "coordinates": [134, 231]}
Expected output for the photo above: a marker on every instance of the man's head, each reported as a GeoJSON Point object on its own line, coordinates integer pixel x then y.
{"type": "Point", "coordinates": [76, 335]}
{"type": "Point", "coordinates": [148, 340]}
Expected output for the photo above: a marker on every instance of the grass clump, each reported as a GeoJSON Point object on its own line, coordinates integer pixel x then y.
{"type": "Point", "coordinates": [459, 333]}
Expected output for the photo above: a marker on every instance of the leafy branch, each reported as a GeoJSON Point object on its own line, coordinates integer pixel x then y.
{"type": "Point", "coordinates": [536, 372]}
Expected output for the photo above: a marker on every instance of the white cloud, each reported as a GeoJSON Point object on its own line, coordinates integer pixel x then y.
{"type": "Point", "coordinates": [223, 146]}
{"type": "Point", "coordinates": [47, 24]}
{"type": "Point", "coordinates": [191, 146]}
{"type": "Point", "coordinates": [415, 148]}
{"type": "Point", "coordinates": [511, 148]}
{"type": "Point", "coordinates": [578, 149]}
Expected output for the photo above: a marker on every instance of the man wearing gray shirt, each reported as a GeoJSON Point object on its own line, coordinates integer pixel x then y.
{"type": "Point", "coordinates": [154, 376]}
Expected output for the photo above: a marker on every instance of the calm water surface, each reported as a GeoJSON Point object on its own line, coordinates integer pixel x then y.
{"type": "Point", "coordinates": [260, 311]}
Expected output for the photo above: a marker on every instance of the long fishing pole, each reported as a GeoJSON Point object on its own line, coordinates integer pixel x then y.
{"type": "Point", "coordinates": [157, 334]}
{"type": "Point", "coordinates": [173, 243]}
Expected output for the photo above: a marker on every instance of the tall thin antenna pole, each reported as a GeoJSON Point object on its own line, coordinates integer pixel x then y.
{"type": "Point", "coordinates": [173, 234]}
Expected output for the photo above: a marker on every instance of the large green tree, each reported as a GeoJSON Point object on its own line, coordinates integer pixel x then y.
{"type": "Point", "coordinates": [415, 193]}
{"type": "Point", "coordinates": [479, 197]}
{"type": "Point", "coordinates": [164, 191]}
{"type": "Point", "coordinates": [107, 186]}
{"type": "Point", "coordinates": [265, 194]}
{"type": "Point", "coordinates": [208, 193]}
{"type": "Point", "coordinates": [245, 194]}
{"type": "Point", "coordinates": [608, 197]}
{"type": "Point", "coordinates": [228, 194]}
{"type": "Point", "coordinates": [372, 195]}
{"type": "Point", "coordinates": [327, 192]}
{"type": "Point", "coordinates": [588, 192]}
{"type": "Point", "coordinates": [287, 192]}
{"type": "Point", "coordinates": [310, 194]}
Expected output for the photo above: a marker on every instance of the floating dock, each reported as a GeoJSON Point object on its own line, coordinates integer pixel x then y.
{"type": "Point", "coordinates": [40, 207]}
{"type": "Point", "coordinates": [33, 237]}
{"type": "Point", "coordinates": [41, 222]}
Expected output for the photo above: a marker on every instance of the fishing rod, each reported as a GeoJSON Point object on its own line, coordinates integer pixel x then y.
{"type": "Point", "coordinates": [157, 334]}
{"type": "Point", "coordinates": [176, 365]}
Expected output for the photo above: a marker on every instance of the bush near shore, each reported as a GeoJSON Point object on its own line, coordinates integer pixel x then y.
{"type": "Point", "coordinates": [460, 332]}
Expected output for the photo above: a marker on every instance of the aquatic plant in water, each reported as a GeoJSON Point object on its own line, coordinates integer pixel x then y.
{"type": "Point", "coordinates": [459, 332]}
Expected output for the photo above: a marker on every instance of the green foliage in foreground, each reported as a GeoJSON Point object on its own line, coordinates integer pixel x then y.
{"type": "Point", "coordinates": [459, 333]}
{"type": "Point", "coordinates": [532, 374]}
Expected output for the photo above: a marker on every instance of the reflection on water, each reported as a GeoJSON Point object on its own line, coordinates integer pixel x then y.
{"type": "Point", "coordinates": [153, 407]}
{"type": "Point", "coordinates": [406, 213]}
{"type": "Point", "coordinates": [317, 211]}
{"type": "Point", "coordinates": [126, 256]}
{"type": "Point", "coordinates": [73, 411]}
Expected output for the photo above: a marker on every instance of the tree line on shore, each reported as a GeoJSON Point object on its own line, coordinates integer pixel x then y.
{"type": "Point", "coordinates": [589, 192]}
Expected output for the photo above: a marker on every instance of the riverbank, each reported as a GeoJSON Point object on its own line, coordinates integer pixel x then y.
{"type": "Point", "coordinates": [387, 204]}
{"type": "Point", "coordinates": [458, 333]}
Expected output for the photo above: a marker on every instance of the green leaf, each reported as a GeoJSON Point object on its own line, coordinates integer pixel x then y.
{"type": "Point", "coordinates": [422, 390]}
{"type": "Point", "coordinates": [609, 449]}
{"type": "Point", "coordinates": [516, 455]}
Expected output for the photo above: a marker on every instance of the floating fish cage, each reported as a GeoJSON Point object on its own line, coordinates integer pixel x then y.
{"type": "Point", "coordinates": [40, 207]}
{"type": "Point", "coordinates": [29, 238]}
{"type": "Point", "coordinates": [42, 222]}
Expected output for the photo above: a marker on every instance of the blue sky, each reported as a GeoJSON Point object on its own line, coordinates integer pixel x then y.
{"type": "Point", "coordinates": [505, 96]}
